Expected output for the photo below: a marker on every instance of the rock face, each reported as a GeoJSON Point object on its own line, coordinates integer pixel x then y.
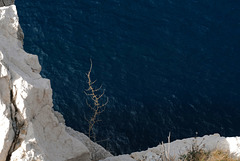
{"type": "Point", "coordinates": [29, 129]}
{"type": "Point", "coordinates": [97, 152]}
{"type": "Point", "coordinates": [176, 148]}
{"type": "Point", "coordinates": [6, 2]}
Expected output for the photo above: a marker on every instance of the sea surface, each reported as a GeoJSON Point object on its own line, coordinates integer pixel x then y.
{"type": "Point", "coordinates": [166, 65]}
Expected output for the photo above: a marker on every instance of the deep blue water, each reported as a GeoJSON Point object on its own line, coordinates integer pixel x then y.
{"type": "Point", "coordinates": [166, 65]}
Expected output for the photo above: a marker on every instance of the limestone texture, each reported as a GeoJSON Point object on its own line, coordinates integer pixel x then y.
{"type": "Point", "coordinates": [97, 152]}
{"type": "Point", "coordinates": [6, 2]}
{"type": "Point", "coordinates": [177, 148]}
{"type": "Point", "coordinates": [120, 158]}
{"type": "Point", "coordinates": [29, 129]}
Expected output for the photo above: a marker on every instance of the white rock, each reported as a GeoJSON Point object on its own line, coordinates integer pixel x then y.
{"type": "Point", "coordinates": [180, 147]}
{"type": "Point", "coordinates": [234, 145]}
{"type": "Point", "coordinates": [177, 148]}
{"type": "Point", "coordinates": [29, 129]}
{"type": "Point", "coordinates": [6, 130]}
{"type": "Point", "coordinates": [119, 158]}
{"type": "Point", "coordinates": [6, 2]}
{"type": "Point", "coordinates": [33, 132]}
{"type": "Point", "coordinates": [97, 152]}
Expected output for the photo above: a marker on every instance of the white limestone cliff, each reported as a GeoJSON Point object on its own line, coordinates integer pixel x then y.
{"type": "Point", "coordinates": [29, 129]}
{"type": "Point", "coordinates": [177, 148]}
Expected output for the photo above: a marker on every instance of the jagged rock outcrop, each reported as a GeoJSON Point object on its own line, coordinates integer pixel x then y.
{"type": "Point", "coordinates": [29, 129]}
{"type": "Point", "coordinates": [97, 152]}
{"type": "Point", "coordinates": [177, 148]}
{"type": "Point", "coordinates": [6, 2]}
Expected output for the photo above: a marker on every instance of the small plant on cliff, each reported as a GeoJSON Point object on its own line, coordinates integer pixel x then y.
{"type": "Point", "coordinates": [96, 106]}
{"type": "Point", "coordinates": [201, 155]}
{"type": "Point", "coordinates": [197, 153]}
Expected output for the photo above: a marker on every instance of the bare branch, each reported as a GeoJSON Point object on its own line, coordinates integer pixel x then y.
{"type": "Point", "coordinates": [101, 111]}
{"type": "Point", "coordinates": [91, 83]}
{"type": "Point", "coordinates": [95, 90]}
{"type": "Point", "coordinates": [89, 105]}
{"type": "Point", "coordinates": [104, 103]}
{"type": "Point", "coordinates": [101, 94]}
{"type": "Point", "coordinates": [96, 106]}
{"type": "Point", "coordinates": [90, 70]}
{"type": "Point", "coordinates": [89, 94]}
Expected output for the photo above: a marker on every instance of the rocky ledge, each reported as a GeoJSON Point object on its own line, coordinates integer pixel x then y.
{"type": "Point", "coordinates": [31, 130]}
{"type": "Point", "coordinates": [175, 149]}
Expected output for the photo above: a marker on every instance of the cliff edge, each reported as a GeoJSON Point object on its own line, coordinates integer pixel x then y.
{"type": "Point", "coordinates": [29, 128]}
{"type": "Point", "coordinates": [174, 150]}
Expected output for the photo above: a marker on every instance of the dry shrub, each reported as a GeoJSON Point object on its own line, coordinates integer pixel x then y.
{"type": "Point", "coordinates": [96, 106]}
{"type": "Point", "coordinates": [201, 155]}
{"type": "Point", "coordinates": [219, 155]}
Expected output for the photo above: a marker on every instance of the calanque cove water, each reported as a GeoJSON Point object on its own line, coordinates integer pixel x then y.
{"type": "Point", "coordinates": [166, 65]}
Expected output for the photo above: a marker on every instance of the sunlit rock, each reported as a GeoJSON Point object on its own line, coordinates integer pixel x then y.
{"type": "Point", "coordinates": [29, 128]}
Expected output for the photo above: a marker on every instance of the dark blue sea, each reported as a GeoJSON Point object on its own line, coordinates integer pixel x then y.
{"type": "Point", "coordinates": [166, 65]}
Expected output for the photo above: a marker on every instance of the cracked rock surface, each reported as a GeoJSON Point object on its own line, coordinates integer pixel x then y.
{"type": "Point", "coordinates": [29, 129]}
{"type": "Point", "coordinates": [6, 2]}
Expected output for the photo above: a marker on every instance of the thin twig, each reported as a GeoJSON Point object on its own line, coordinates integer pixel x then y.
{"type": "Point", "coordinates": [96, 106]}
